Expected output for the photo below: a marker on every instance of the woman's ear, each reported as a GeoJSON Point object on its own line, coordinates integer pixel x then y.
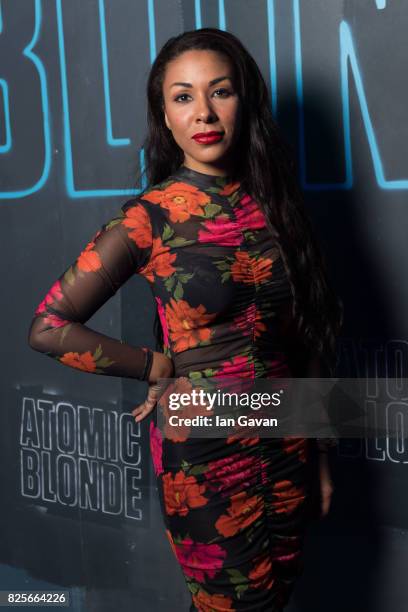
{"type": "Point", "coordinates": [166, 119]}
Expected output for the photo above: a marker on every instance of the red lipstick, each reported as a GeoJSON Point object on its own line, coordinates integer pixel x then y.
{"type": "Point", "coordinates": [208, 137]}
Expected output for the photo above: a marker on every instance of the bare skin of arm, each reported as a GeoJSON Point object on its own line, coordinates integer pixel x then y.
{"type": "Point", "coordinates": [326, 483]}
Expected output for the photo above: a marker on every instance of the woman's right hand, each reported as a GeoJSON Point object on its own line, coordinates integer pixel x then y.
{"type": "Point", "coordinates": [162, 367]}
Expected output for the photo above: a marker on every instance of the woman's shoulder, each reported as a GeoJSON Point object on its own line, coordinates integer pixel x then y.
{"type": "Point", "coordinates": [152, 194]}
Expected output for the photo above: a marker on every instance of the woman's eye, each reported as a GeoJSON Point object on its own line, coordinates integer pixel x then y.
{"type": "Point", "coordinates": [176, 99]}
{"type": "Point", "coordinates": [224, 93]}
{"type": "Point", "coordinates": [222, 90]}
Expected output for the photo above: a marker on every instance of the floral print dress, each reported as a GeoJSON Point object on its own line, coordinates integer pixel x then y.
{"type": "Point", "coordinates": [235, 509]}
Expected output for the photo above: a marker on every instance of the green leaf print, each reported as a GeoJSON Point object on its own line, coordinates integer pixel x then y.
{"type": "Point", "coordinates": [99, 370]}
{"type": "Point", "coordinates": [260, 368]}
{"type": "Point", "coordinates": [211, 209]}
{"type": "Point", "coordinates": [69, 276]}
{"type": "Point", "coordinates": [236, 577]}
{"type": "Point", "coordinates": [249, 236]}
{"type": "Point", "coordinates": [164, 184]}
{"type": "Point", "coordinates": [209, 372]}
{"type": "Point", "coordinates": [213, 189]}
{"type": "Point", "coordinates": [233, 199]}
{"type": "Point", "coordinates": [169, 282]}
{"type": "Point", "coordinates": [65, 330]}
{"type": "Point", "coordinates": [195, 375]}
{"type": "Point", "coordinates": [177, 539]}
{"type": "Point", "coordinates": [193, 587]}
{"type": "Point", "coordinates": [198, 469]}
{"type": "Point", "coordinates": [223, 265]}
{"type": "Point", "coordinates": [179, 241]}
{"type": "Point", "coordinates": [98, 352]}
{"type": "Point", "coordinates": [115, 222]}
{"type": "Point", "coordinates": [104, 362]}
{"type": "Point", "coordinates": [185, 465]}
{"type": "Point", "coordinates": [167, 232]}
{"type": "Point", "coordinates": [179, 291]}
{"type": "Point", "coordinates": [184, 278]}
{"type": "Point", "coordinates": [240, 589]}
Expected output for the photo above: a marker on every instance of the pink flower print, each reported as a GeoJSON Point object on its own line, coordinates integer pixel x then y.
{"type": "Point", "coordinates": [221, 231]}
{"type": "Point", "coordinates": [53, 295]}
{"type": "Point", "coordinates": [231, 474]}
{"type": "Point", "coordinates": [199, 559]}
{"type": "Point", "coordinates": [163, 320]}
{"type": "Point", "coordinates": [54, 320]}
{"type": "Point", "coordinates": [248, 214]}
{"type": "Point", "coordinates": [264, 472]}
{"type": "Point", "coordinates": [239, 366]}
{"type": "Point", "coordinates": [249, 322]}
{"type": "Point", "coordinates": [156, 448]}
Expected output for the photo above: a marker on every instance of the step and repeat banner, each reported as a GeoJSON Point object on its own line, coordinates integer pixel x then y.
{"type": "Point", "coordinates": [79, 508]}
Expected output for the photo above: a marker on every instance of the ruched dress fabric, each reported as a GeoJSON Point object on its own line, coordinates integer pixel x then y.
{"type": "Point", "coordinates": [235, 509]}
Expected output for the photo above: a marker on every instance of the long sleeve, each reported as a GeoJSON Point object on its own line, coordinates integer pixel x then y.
{"type": "Point", "coordinates": [119, 249]}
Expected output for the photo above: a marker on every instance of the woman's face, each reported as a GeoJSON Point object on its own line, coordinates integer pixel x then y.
{"type": "Point", "coordinates": [195, 103]}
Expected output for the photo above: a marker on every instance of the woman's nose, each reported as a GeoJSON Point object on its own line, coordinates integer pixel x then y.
{"type": "Point", "coordinates": [205, 110]}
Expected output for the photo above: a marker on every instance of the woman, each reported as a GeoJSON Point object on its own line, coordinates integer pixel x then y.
{"type": "Point", "coordinates": [222, 236]}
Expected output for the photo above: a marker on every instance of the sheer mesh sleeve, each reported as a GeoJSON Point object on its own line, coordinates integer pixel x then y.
{"type": "Point", "coordinates": [119, 249]}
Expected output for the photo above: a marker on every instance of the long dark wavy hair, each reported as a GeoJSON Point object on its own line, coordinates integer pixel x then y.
{"type": "Point", "coordinates": [265, 165]}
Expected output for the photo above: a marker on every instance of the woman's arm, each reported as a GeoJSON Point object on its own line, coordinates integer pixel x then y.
{"type": "Point", "coordinates": [315, 370]}
{"type": "Point", "coordinates": [121, 248]}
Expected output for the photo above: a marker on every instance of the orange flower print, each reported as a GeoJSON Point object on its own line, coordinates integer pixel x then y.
{"type": "Point", "coordinates": [244, 442]}
{"type": "Point", "coordinates": [81, 361]}
{"type": "Point", "coordinates": [137, 219]}
{"type": "Point", "coordinates": [182, 493]}
{"type": "Point", "coordinates": [160, 263]}
{"type": "Point", "coordinates": [247, 269]}
{"type": "Point", "coordinates": [242, 512]}
{"type": "Point", "coordinates": [260, 575]}
{"type": "Point", "coordinates": [229, 188]}
{"type": "Point", "coordinates": [293, 445]}
{"type": "Point", "coordinates": [89, 260]}
{"type": "Point", "coordinates": [187, 324]}
{"type": "Point", "coordinates": [87, 362]}
{"type": "Point", "coordinates": [289, 497]}
{"type": "Point", "coordinates": [249, 322]}
{"type": "Point", "coordinates": [204, 602]}
{"type": "Point", "coordinates": [180, 199]}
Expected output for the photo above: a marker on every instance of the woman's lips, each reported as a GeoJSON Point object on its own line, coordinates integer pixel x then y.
{"type": "Point", "coordinates": [208, 139]}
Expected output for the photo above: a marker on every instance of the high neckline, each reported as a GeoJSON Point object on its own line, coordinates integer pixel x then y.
{"type": "Point", "coordinates": [201, 179]}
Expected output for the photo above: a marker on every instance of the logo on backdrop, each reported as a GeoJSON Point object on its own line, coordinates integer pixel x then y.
{"type": "Point", "coordinates": [80, 458]}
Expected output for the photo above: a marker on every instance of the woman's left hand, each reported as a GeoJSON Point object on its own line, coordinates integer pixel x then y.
{"type": "Point", "coordinates": [154, 393]}
{"type": "Point", "coordinates": [326, 484]}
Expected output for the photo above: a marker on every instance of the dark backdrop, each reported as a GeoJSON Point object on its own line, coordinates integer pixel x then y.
{"type": "Point", "coordinates": [72, 120]}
